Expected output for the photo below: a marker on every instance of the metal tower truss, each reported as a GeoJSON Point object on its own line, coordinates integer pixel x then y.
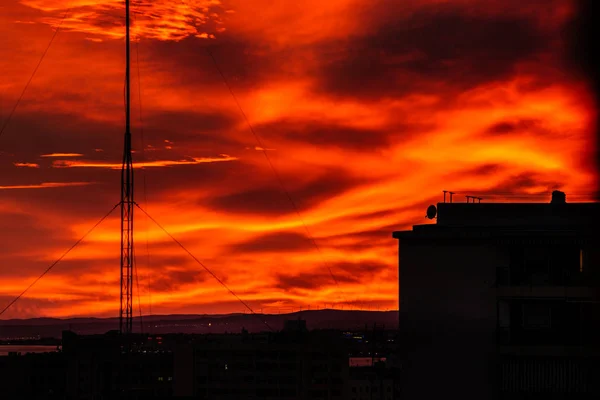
{"type": "Point", "coordinates": [127, 203]}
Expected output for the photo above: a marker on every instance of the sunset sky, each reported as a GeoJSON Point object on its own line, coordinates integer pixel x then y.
{"type": "Point", "coordinates": [367, 110]}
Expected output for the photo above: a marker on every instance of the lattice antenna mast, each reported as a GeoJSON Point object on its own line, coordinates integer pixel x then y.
{"type": "Point", "coordinates": [127, 203]}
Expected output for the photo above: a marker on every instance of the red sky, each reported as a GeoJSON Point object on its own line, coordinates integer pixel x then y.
{"type": "Point", "coordinates": [368, 109]}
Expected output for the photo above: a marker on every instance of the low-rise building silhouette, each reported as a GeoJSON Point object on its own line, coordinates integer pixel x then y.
{"type": "Point", "coordinates": [294, 363]}
{"type": "Point", "coordinates": [501, 300]}
{"type": "Point", "coordinates": [283, 365]}
{"type": "Point", "coordinates": [106, 366]}
{"type": "Point", "coordinates": [33, 376]}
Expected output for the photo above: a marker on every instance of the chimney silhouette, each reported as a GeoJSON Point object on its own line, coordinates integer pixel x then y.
{"type": "Point", "coordinates": [558, 197]}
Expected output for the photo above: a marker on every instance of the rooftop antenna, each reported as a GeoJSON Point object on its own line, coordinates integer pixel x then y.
{"type": "Point", "coordinates": [451, 193]}
{"type": "Point", "coordinates": [127, 203]}
{"type": "Point", "coordinates": [478, 199]}
{"type": "Point", "coordinates": [445, 191]}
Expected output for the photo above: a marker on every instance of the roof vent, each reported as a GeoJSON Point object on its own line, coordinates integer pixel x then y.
{"type": "Point", "coordinates": [558, 197]}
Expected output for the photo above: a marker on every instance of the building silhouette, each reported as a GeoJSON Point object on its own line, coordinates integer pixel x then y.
{"type": "Point", "coordinates": [33, 376]}
{"type": "Point", "coordinates": [294, 363]}
{"type": "Point", "coordinates": [501, 301]}
{"type": "Point", "coordinates": [281, 365]}
{"type": "Point", "coordinates": [107, 366]}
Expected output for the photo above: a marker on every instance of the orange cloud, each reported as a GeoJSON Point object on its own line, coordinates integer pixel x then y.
{"type": "Point", "coordinates": [46, 185]}
{"type": "Point", "coordinates": [62, 155]}
{"type": "Point", "coordinates": [145, 164]}
{"type": "Point", "coordinates": [26, 165]}
{"type": "Point", "coordinates": [157, 19]}
{"type": "Point", "coordinates": [373, 107]}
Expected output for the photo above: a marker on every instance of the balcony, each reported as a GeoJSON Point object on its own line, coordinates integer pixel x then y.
{"type": "Point", "coordinates": [547, 351]}
{"type": "Point", "coordinates": [568, 376]}
{"type": "Point", "coordinates": [548, 266]}
{"type": "Point", "coordinates": [534, 323]}
{"type": "Point", "coordinates": [524, 291]}
{"type": "Point", "coordinates": [550, 276]}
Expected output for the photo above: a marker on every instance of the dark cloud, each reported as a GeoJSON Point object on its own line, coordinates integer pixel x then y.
{"type": "Point", "coordinates": [275, 242]}
{"type": "Point", "coordinates": [322, 134]}
{"type": "Point", "coordinates": [266, 200]}
{"type": "Point", "coordinates": [66, 132]}
{"type": "Point", "coordinates": [197, 134]}
{"type": "Point", "coordinates": [33, 307]}
{"type": "Point", "coordinates": [271, 200]}
{"type": "Point", "coordinates": [189, 130]}
{"type": "Point", "coordinates": [520, 187]}
{"type": "Point", "coordinates": [344, 272]}
{"type": "Point", "coordinates": [31, 135]}
{"type": "Point", "coordinates": [307, 280]}
{"type": "Point", "coordinates": [78, 272]}
{"type": "Point", "coordinates": [427, 51]}
{"type": "Point", "coordinates": [22, 233]}
{"type": "Point", "coordinates": [485, 170]}
{"type": "Point", "coordinates": [360, 241]}
{"type": "Point", "coordinates": [28, 307]}
{"type": "Point", "coordinates": [248, 64]}
{"type": "Point", "coordinates": [521, 182]}
{"type": "Point", "coordinates": [366, 235]}
{"type": "Point", "coordinates": [582, 59]}
{"type": "Point", "coordinates": [76, 204]}
{"type": "Point", "coordinates": [368, 268]}
{"type": "Point", "coordinates": [512, 127]}
{"type": "Point", "coordinates": [168, 184]}
{"type": "Point", "coordinates": [245, 63]}
{"type": "Point", "coordinates": [168, 281]}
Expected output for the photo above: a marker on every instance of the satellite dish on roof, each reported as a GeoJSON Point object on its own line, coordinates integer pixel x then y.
{"type": "Point", "coordinates": [431, 212]}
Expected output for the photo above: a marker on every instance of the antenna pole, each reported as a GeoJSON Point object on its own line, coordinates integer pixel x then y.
{"type": "Point", "coordinates": [127, 203]}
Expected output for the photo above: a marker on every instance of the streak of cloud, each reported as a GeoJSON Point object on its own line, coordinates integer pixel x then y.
{"type": "Point", "coordinates": [26, 165]}
{"type": "Point", "coordinates": [46, 185]}
{"type": "Point", "coordinates": [60, 155]}
{"type": "Point", "coordinates": [144, 164]}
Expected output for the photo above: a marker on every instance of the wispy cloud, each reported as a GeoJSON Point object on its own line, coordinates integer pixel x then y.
{"type": "Point", "coordinates": [165, 20]}
{"type": "Point", "coordinates": [146, 164]}
{"type": "Point", "coordinates": [61, 155]}
{"type": "Point", "coordinates": [26, 165]}
{"type": "Point", "coordinates": [46, 185]}
{"type": "Point", "coordinates": [258, 148]}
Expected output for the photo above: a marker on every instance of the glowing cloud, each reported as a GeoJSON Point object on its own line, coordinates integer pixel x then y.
{"type": "Point", "coordinates": [46, 185]}
{"type": "Point", "coordinates": [26, 165]}
{"type": "Point", "coordinates": [165, 20]}
{"type": "Point", "coordinates": [146, 164]}
{"type": "Point", "coordinates": [61, 155]}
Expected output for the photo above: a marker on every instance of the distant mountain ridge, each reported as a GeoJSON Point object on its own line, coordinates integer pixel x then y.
{"type": "Point", "coordinates": [203, 323]}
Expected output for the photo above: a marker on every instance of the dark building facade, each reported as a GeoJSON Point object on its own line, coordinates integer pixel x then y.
{"type": "Point", "coordinates": [501, 301]}
{"type": "Point", "coordinates": [107, 367]}
{"type": "Point", "coordinates": [291, 364]}
{"type": "Point", "coordinates": [33, 376]}
{"type": "Point", "coordinates": [284, 365]}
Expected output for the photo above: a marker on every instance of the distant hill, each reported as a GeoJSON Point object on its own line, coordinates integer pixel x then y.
{"type": "Point", "coordinates": [315, 319]}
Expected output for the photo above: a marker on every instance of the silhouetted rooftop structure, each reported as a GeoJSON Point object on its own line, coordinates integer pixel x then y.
{"type": "Point", "coordinates": [523, 217]}
{"type": "Point", "coordinates": [501, 301]}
